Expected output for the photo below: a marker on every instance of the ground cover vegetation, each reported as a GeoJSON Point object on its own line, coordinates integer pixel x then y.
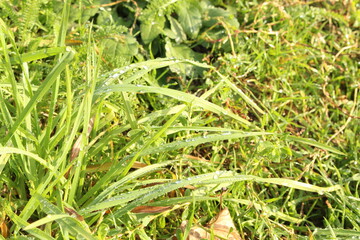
{"type": "Point", "coordinates": [123, 119]}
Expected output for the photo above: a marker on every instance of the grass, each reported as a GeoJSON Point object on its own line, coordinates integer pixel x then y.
{"type": "Point", "coordinates": [266, 125]}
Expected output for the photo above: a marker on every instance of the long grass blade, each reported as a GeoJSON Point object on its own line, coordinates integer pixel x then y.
{"type": "Point", "coordinates": [314, 143]}
{"type": "Point", "coordinates": [42, 90]}
{"type": "Point", "coordinates": [181, 96]}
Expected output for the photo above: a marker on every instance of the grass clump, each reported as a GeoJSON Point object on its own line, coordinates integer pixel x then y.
{"type": "Point", "coordinates": [121, 124]}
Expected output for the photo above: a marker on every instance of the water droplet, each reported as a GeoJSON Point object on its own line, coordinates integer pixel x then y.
{"type": "Point", "coordinates": [115, 75]}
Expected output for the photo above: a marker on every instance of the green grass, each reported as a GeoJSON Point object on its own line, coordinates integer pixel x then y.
{"type": "Point", "coordinates": [252, 103]}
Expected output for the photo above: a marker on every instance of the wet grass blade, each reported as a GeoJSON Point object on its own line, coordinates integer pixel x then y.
{"type": "Point", "coordinates": [181, 96]}
{"type": "Point", "coordinates": [314, 143]}
{"type": "Point", "coordinates": [42, 90]}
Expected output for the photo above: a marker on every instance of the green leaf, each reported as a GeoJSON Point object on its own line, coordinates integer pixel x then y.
{"type": "Point", "coordinates": [182, 51]}
{"type": "Point", "coordinates": [213, 15]}
{"type": "Point", "coordinates": [151, 28]}
{"type": "Point", "coordinates": [123, 46]}
{"type": "Point", "coordinates": [190, 17]}
{"type": "Point", "coordinates": [177, 31]}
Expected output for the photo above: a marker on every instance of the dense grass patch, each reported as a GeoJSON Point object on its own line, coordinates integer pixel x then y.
{"type": "Point", "coordinates": [122, 119]}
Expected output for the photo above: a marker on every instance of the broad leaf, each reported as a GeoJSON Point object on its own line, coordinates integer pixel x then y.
{"type": "Point", "coordinates": [190, 17]}
{"type": "Point", "coordinates": [151, 28]}
{"type": "Point", "coordinates": [181, 51]}
{"type": "Point", "coordinates": [177, 32]}
{"type": "Point", "coordinates": [123, 46]}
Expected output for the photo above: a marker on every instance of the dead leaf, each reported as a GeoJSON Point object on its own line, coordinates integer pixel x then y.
{"type": "Point", "coordinates": [221, 227]}
{"type": "Point", "coordinates": [76, 147]}
{"type": "Point", "coordinates": [73, 213]}
{"type": "Point", "coordinates": [108, 165]}
{"type": "Point", "coordinates": [4, 230]}
{"type": "Point", "coordinates": [150, 209]}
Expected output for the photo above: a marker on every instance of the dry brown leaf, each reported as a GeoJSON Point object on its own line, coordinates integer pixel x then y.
{"type": "Point", "coordinates": [108, 165]}
{"type": "Point", "coordinates": [73, 213]}
{"type": "Point", "coordinates": [4, 230]}
{"type": "Point", "coordinates": [221, 227]}
{"type": "Point", "coordinates": [150, 209]}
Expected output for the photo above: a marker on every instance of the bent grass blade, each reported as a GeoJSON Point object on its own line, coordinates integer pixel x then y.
{"type": "Point", "coordinates": [314, 143]}
{"type": "Point", "coordinates": [204, 179]}
{"type": "Point", "coordinates": [181, 96]}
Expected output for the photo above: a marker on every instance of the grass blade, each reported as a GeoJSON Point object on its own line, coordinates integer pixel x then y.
{"type": "Point", "coordinates": [36, 55]}
{"type": "Point", "coordinates": [215, 178]}
{"type": "Point", "coordinates": [71, 224]}
{"type": "Point", "coordinates": [181, 96]}
{"type": "Point", "coordinates": [313, 143]}
{"type": "Point", "coordinates": [42, 90]}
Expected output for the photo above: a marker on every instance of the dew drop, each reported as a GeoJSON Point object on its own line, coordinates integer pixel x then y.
{"type": "Point", "coordinates": [115, 75]}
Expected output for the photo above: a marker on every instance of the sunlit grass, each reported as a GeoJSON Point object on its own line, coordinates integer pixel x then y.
{"type": "Point", "coordinates": [270, 131]}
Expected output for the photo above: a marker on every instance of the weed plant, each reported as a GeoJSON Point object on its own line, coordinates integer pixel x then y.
{"type": "Point", "coordinates": [108, 107]}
